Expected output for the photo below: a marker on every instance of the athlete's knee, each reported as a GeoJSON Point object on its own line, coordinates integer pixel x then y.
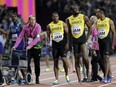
{"type": "Point", "coordinates": [55, 61]}
{"type": "Point", "coordinates": [106, 56]}
{"type": "Point", "coordinates": [85, 60]}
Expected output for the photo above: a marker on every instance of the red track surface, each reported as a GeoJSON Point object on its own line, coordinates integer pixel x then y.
{"type": "Point", "coordinates": [47, 78]}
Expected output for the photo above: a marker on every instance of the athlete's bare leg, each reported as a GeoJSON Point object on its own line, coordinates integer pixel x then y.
{"type": "Point", "coordinates": [85, 59]}
{"type": "Point", "coordinates": [77, 66]}
{"type": "Point", "coordinates": [65, 65]}
{"type": "Point", "coordinates": [47, 62]}
{"type": "Point", "coordinates": [56, 68]}
{"type": "Point", "coordinates": [73, 62]}
{"type": "Point", "coordinates": [107, 66]}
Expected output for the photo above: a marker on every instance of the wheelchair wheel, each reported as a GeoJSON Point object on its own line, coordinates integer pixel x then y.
{"type": "Point", "coordinates": [8, 80]}
{"type": "Point", "coordinates": [3, 81]}
{"type": "Point", "coordinates": [28, 78]}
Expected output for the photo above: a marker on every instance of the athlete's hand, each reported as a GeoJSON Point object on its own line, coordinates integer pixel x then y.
{"type": "Point", "coordinates": [66, 47]}
{"type": "Point", "coordinates": [28, 47]}
{"type": "Point", "coordinates": [13, 48]}
{"type": "Point", "coordinates": [112, 47]}
{"type": "Point", "coordinates": [49, 48]}
{"type": "Point", "coordinates": [112, 50]}
{"type": "Point", "coordinates": [94, 53]}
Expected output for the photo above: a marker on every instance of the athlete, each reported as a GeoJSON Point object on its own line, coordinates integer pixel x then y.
{"type": "Point", "coordinates": [58, 30]}
{"type": "Point", "coordinates": [47, 50]}
{"type": "Point", "coordinates": [70, 58]}
{"type": "Point", "coordinates": [76, 24]}
{"type": "Point", "coordinates": [14, 31]}
{"type": "Point", "coordinates": [105, 25]}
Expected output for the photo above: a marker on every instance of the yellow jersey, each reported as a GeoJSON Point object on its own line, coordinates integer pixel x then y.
{"type": "Point", "coordinates": [77, 25]}
{"type": "Point", "coordinates": [57, 31]}
{"type": "Point", "coordinates": [103, 27]}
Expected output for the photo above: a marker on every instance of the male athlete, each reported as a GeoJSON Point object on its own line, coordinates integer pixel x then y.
{"type": "Point", "coordinates": [105, 25]}
{"type": "Point", "coordinates": [76, 24]}
{"type": "Point", "coordinates": [58, 30]}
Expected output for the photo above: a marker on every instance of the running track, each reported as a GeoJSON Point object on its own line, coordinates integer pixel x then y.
{"type": "Point", "coordinates": [46, 78]}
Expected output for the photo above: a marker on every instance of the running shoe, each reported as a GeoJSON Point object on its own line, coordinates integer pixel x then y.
{"type": "Point", "coordinates": [14, 81]}
{"type": "Point", "coordinates": [84, 80]}
{"type": "Point", "coordinates": [2, 84]}
{"type": "Point", "coordinates": [61, 69]}
{"type": "Point", "coordinates": [105, 80]}
{"type": "Point", "coordinates": [37, 81]}
{"type": "Point", "coordinates": [56, 82]}
{"type": "Point", "coordinates": [48, 70]}
{"type": "Point", "coordinates": [81, 69]}
{"type": "Point", "coordinates": [67, 79]}
{"type": "Point", "coordinates": [23, 81]}
{"type": "Point", "coordinates": [109, 79]}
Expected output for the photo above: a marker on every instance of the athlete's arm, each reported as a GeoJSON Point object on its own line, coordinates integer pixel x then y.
{"type": "Point", "coordinates": [3, 32]}
{"type": "Point", "coordinates": [48, 33]}
{"type": "Point", "coordinates": [21, 26]}
{"type": "Point", "coordinates": [8, 37]}
{"type": "Point", "coordinates": [65, 28]}
{"type": "Point", "coordinates": [19, 39]}
{"type": "Point", "coordinates": [69, 32]}
{"type": "Point", "coordinates": [66, 31]}
{"type": "Point", "coordinates": [112, 27]}
{"type": "Point", "coordinates": [89, 24]}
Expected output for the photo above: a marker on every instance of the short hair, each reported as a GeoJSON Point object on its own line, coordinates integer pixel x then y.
{"type": "Point", "coordinates": [74, 6]}
{"type": "Point", "coordinates": [93, 18]}
{"type": "Point", "coordinates": [54, 13]}
{"type": "Point", "coordinates": [102, 9]}
{"type": "Point", "coordinates": [14, 15]}
{"type": "Point", "coordinates": [31, 16]}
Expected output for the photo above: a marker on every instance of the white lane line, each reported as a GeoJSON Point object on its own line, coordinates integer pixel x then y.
{"type": "Point", "coordinates": [54, 77]}
{"type": "Point", "coordinates": [62, 72]}
{"type": "Point", "coordinates": [65, 83]}
{"type": "Point", "coordinates": [46, 73]}
{"type": "Point", "coordinates": [107, 84]}
{"type": "Point", "coordinates": [76, 80]}
{"type": "Point", "coordinates": [43, 70]}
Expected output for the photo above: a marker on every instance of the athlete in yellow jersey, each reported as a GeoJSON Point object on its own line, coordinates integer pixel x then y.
{"type": "Point", "coordinates": [58, 29]}
{"type": "Point", "coordinates": [105, 25]}
{"type": "Point", "coordinates": [76, 23]}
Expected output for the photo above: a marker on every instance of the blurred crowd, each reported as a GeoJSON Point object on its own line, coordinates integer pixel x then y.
{"type": "Point", "coordinates": [87, 7]}
{"type": "Point", "coordinates": [46, 7]}
{"type": "Point", "coordinates": [6, 17]}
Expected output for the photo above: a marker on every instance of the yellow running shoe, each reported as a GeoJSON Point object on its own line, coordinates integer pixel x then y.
{"type": "Point", "coordinates": [56, 82]}
{"type": "Point", "coordinates": [48, 70]}
{"type": "Point", "coordinates": [61, 69]}
{"type": "Point", "coordinates": [68, 79]}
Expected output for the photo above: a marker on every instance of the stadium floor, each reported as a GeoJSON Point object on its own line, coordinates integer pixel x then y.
{"type": "Point", "coordinates": [46, 78]}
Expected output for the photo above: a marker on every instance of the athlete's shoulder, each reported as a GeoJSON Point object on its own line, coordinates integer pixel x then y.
{"type": "Point", "coordinates": [60, 21]}
{"type": "Point", "coordinates": [70, 17]}
{"type": "Point", "coordinates": [107, 18]}
{"type": "Point", "coordinates": [19, 22]}
{"type": "Point", "coordinates": [11, 24]}
{"type": "Point", "coordinates": [50, 23]}
{"type": "Point", "coordinates": [98, 20]}
{"type": "Point", "coordinates": [81, 14]}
